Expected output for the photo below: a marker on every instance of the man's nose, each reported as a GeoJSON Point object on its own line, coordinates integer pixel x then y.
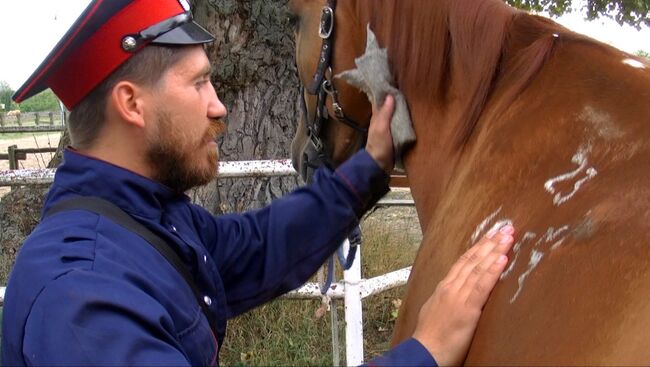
{"type": "Point", "coordinates": [216, 109]}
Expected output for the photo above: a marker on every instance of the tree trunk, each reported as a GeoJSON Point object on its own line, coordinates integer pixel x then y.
{"type": "Point", "coordinates": [20, 211]}
{"type": "Point", "coordinates": [255, 77]}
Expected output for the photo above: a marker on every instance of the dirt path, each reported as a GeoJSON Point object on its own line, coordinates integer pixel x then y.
{"type": "Point", "coordinates": [41, 140]}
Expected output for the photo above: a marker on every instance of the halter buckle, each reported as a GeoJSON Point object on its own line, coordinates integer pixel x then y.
{"type": "Point", "coordinates": [316, 142]}
{"type": "Point", "coordinates": [326, 23]}
{"type": "Point", "coordinates": [338, 111]}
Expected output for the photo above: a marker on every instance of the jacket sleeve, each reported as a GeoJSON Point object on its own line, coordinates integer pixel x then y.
{"type": "Point", "coordinates": [95, 320]}
{"type": "Point", "coordinates": [265, 253]}
{"type": "Point", "coordinates": [408, 353]}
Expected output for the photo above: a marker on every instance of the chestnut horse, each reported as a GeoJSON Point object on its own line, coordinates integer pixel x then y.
{"type": "Point", "coordinates": [517, 120]}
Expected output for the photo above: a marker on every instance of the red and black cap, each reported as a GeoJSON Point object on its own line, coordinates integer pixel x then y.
{"type": "Point", "coordinates": [106, 35]}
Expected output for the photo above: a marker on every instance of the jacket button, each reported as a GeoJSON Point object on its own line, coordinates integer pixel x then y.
{"type": "Point", "coordinates": [173, 228]}
{"type": "Point", "coordinates": [205, 259]}
{"type": "Point", "coordinates": [207, 300]}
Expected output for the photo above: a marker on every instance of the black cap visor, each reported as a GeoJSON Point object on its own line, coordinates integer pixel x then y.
{"type": "Point", "coordinates": [189, 33]}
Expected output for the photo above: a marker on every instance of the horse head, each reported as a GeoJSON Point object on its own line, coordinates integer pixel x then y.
{"type": "Point", "coordinates": [335, 114]}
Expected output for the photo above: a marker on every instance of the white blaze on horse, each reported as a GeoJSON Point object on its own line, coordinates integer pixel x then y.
{"type": "Point", "coordinates": [518, 120]}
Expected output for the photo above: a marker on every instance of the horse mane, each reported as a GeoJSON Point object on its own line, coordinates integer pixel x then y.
{"type": "Point", "coordinates": [455, 50]}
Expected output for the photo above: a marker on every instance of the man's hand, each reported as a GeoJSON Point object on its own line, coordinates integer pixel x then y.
{"type": "Point", "coordinates": [448, 319]}
{"type": "Point", "coordinates": [380, 140]}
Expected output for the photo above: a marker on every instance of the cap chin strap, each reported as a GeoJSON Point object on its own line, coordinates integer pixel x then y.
{"type": "Point", "coordinates": [134, 42]}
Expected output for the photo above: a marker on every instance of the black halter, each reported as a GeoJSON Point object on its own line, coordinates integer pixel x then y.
{"type": "Point", "coordinates": [321, 86]}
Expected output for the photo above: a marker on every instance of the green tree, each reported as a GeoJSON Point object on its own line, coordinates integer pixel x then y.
{"type": "Point", "coordinates": [5, 95]}
{"type": "Point", "coordinates": [632, 12]}
{"type": "Point", "coordinates": [44, 101]}
{"type": "Point", "coordinates": [643, 53]}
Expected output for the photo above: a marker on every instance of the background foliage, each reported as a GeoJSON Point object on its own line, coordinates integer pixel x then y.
{"type": "Point", "coordinates": [5, 96]}
{"type": "Point", "coordinates": [643, 54]}
{"type": "Point", "coordinates": [632, 12]}
{"type": "Point", "coordinates": [44, 101]}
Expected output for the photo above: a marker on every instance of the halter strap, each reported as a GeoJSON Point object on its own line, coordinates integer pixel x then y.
{"type": "Point", "coordinates": [326, 32]}
{"type": "Point", "coordinates": [321, 86]}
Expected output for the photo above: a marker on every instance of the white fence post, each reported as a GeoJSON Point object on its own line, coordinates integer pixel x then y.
{"type": "Point", "coordinates": [353, 310]}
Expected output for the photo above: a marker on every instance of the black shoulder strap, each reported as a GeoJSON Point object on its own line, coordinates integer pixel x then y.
{"type": "Point", "coordinates": [119, 216]}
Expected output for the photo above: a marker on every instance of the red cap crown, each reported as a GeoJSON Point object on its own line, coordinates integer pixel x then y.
{"type": "Point", "coordinates": [97, 44]}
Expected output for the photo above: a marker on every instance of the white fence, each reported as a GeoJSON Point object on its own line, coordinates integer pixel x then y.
{"type": "Point", "coordinates": [352, 289]}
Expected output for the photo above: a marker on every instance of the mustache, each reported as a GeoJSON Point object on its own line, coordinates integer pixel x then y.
{"type": "Point", "coordinates": [216, 128]}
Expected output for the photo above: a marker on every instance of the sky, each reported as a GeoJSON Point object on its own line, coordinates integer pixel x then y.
{"type": "Point", "coordinates": [29, 29]}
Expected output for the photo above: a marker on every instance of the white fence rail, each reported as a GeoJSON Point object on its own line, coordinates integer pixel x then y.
{"type": "Point", "coordinates": [352, 289]}
{"type": "Point", "coordinates": [238, 169]}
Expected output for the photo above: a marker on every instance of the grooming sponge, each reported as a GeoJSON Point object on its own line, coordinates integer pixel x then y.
{"type": "Point", "coordinates": [373, 76]}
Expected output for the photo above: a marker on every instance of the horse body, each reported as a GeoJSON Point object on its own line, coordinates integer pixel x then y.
{"type": "Point", "coordinates": [579, 278]}
{"type": "Point", "coordinates": [520, 120]}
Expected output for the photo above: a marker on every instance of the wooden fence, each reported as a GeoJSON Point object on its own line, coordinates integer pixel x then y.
{"type": "Point", "coordinates": [31, 122]}
{"type": "Point", "coordinates": [14, 154]}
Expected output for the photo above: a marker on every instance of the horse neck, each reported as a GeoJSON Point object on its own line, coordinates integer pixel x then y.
{"type": "Point", "coordinates": [431, 162]}
{"type": "Point", "coordinates": [445, 55]}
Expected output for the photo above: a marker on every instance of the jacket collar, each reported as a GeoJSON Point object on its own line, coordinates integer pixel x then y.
{"type": "Point", "coordinates": [88, 176]}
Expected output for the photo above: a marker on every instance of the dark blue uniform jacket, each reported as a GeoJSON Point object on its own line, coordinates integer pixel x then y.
{"type": "Point", "coordinates": [86, 291]}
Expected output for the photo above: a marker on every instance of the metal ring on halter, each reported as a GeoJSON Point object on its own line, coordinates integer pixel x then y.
{"type": "Point", "coordinates": [328, 87]}
{"type": "Point", "coordinates": [326, 23]}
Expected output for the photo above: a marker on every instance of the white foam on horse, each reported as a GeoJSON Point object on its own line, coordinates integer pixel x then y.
{"type": "Point", "coordinates": [552, 234]}
{"type": "Point", "coordinates": [634, 63]}
{"type": "Point", "coordinates": [535, 258]}
{"type": "Point", "coordinates": [527, 237]}
{"type": "Point", "coordinates": [580, 158]}
{"type": "Point", "coordinates": [602, 122]}
{"type": "Point", "coordinates": [480, 229]}
{"type": "Point", "coordinates": [558, 243]}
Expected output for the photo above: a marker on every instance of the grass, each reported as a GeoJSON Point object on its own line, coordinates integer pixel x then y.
{"type": "Point", "coordinates": [284, 332]}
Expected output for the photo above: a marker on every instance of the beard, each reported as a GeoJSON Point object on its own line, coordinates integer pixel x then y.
{"type": "Point", "coordinates": [178, 161]}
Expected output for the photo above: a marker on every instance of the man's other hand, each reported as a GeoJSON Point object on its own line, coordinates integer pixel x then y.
{"type": "Point", "coordinates": [447, 321]}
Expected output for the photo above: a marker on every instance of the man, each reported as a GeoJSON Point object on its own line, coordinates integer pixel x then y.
{"type": "Point", "coordinates": [90, 288]}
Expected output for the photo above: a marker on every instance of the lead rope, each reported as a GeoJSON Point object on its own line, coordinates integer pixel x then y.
{"type": "Point", "coordinates": [345, 262]}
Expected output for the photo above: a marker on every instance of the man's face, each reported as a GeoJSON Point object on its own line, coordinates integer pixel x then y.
{"type": "Point", "coordinates": [184, 123]}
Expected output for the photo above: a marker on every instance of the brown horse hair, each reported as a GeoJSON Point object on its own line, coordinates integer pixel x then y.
{"type": "Point", "coordinates": [530, 43]}
{"type": "Point", "coordinates": [432, 42]}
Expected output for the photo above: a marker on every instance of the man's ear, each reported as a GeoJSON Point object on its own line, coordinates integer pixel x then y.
{"type": "Point", "coordinates": [128, 101]}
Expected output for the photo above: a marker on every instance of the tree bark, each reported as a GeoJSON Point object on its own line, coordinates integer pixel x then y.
{"type": "Point", "coordinates": [20, 211]}
{"type": "Point", "coordinates": [256, 78]}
